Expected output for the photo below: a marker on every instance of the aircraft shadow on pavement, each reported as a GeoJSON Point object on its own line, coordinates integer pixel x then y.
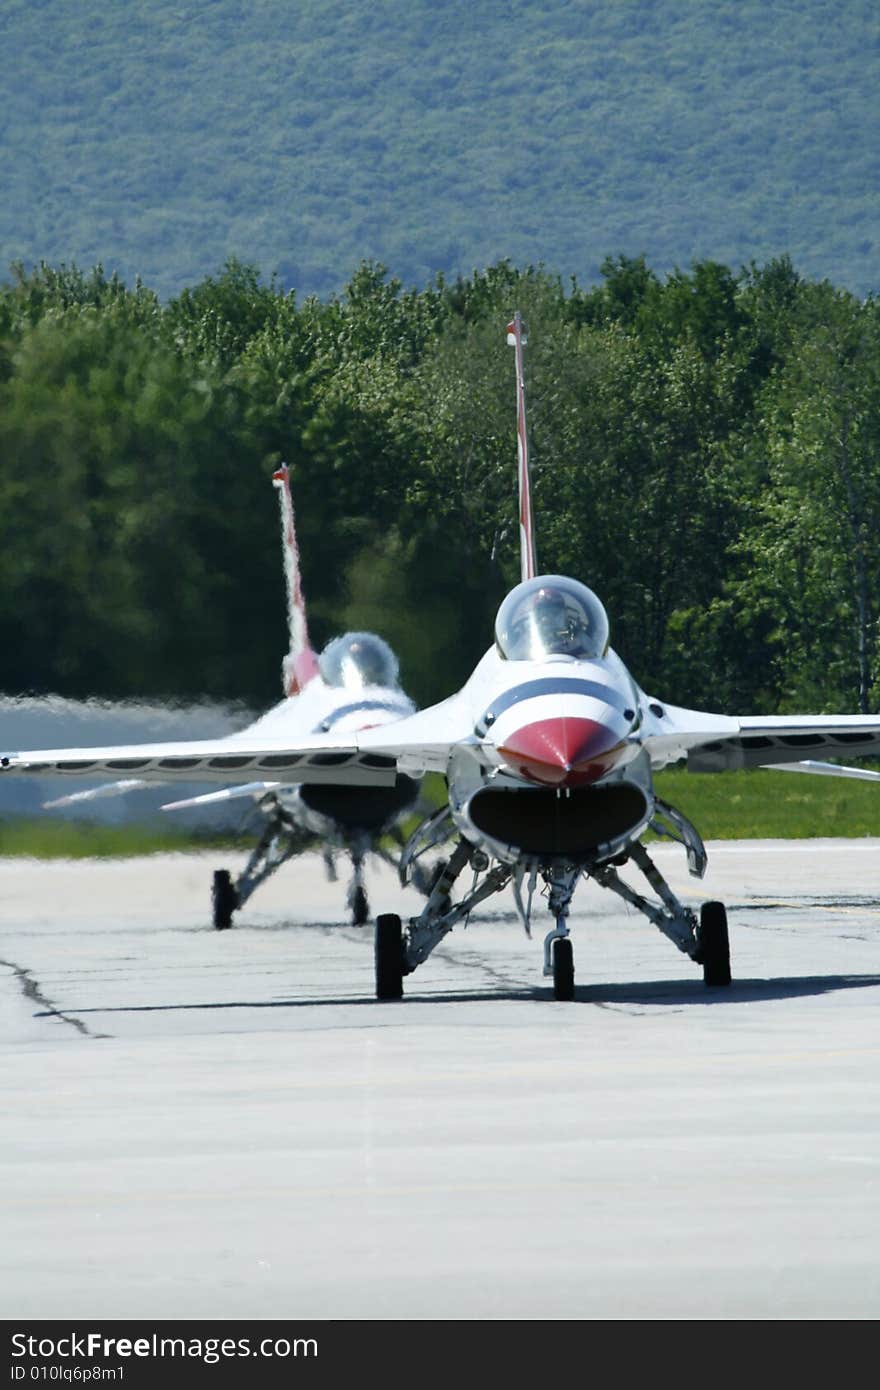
{"type": "Point", "coordinates": [739, 992]}
{"type": "Point", "coordinates": [653, 992]}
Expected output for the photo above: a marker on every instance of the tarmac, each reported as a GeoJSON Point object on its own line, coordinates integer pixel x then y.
{"type": "Point", "coordinates": [228, 1125]}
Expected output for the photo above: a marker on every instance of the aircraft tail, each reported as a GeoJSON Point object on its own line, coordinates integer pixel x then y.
{"type": "Point", "coordinates": [301, 664]}
{"type": "Point", "coordinates": [528, 560]}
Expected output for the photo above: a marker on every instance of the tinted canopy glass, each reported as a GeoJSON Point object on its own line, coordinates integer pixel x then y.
{"type": "Point", "coordinates": [356, 660]}
{"type": "Point", "coordinates": [551, 616]}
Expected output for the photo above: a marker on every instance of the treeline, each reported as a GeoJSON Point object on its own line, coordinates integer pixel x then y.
{"type": "Point", "coordinates": [706, 455]}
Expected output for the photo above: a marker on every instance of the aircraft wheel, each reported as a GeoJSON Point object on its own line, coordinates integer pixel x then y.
{"type": "Point", "coordinates": [389, 957]}
{"type": "Point", "coordinates": [224, 899]}
{"type": "Point", "coordinates": [714, 944]}
{"type": "Point", "coordinates": [360, 907]}
{"type": "Point", "coordinates": [563, 968]}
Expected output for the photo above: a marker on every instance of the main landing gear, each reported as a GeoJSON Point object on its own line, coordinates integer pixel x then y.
{"type": "Point", "coordinates": [401, 949]}
{"type": "Point", "coordinates": [281, 839]}
{"type": "Point", "coordinates": [390, 961]}
{"type": "Point", "coordinates": [224, 899]}
{"type": "Point", "coordinates": [713, 945]}
{"type": "Point", "coordinates": [358, 903]}
{"type": "Point", "coordinates": [705, 939]}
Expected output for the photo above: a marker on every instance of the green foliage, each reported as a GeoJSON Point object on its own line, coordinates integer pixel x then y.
{"type": "Point", "coordinates": [705, 452]}
{"type": "Point", "coordinates": [812, 541]}
{"type": "Point", "coordinates": [163, 138]}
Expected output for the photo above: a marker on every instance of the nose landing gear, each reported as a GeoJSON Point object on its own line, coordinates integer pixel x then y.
{"type": "Point", "coordinates": [224, 899]}
{"type": "Point", "coordinates": [558, 951]}
{"type": "Point", "coordinates": [563, 968]}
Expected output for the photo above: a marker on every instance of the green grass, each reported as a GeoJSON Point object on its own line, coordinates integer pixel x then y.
{"type": "Point", "coordinates": [69, 839]}
{"type": "Point", "coordinates": [772, 805]}
{"type": "Point", "coordinates": [728, 806]}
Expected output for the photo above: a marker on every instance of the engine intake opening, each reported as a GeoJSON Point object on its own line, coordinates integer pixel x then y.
{"type": "Point", "coordinates": [539, 821]}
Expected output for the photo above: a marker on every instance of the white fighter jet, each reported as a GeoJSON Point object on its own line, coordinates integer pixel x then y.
{"type": "Point", "coordinates": [351, 685]}
{"type": "Point", "coordinates": [548, 752]}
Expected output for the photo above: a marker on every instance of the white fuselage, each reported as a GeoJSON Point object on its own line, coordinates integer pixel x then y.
{"type": "Point", "coordinates": [336, 814]}
{"type": "Point", "coordinates": [556, 770]}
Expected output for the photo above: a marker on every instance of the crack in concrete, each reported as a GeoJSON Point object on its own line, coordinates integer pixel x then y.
{"type": "Point", "coordinates": [30, 988]}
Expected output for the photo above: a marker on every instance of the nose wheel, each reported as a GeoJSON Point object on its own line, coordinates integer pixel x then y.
{"type": "Point", "coordinates": [389, 957]}
{"type": "Point", "coordinates": [563, 968]}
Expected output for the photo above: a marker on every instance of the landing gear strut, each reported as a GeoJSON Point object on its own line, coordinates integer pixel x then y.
{"type": "Point", "coordinates": [558, 950]}
{"type": "Point", "coordinates": [278, 842]}
{"type": "Point", "coordinates": [400, 949]}
{"type": "Point", "coordinates": [705, 941]}
{"type": "Point", "coordinates": [281, 839]}
{"type": "Point", "coordinates": [436, 919]}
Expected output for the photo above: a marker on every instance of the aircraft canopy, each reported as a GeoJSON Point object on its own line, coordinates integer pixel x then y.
{"type": "Point", "coordinates": [358, 659]}
{"type": "Point", "coordinates": [551, 616]}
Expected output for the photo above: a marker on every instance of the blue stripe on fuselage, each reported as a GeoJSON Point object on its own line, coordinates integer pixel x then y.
{"type": "Point", "coordinates": [550, 685]}
{"type": "Point", "coordinates": [355, 708]}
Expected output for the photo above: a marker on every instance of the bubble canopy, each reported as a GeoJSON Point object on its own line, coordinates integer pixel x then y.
{"type": "Point", "coordinates": [551, 616]}
{"type": "Point", "coordinates": [358, 659]}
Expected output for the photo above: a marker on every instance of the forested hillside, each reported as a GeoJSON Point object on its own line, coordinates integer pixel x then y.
{"type": "Point", "coordinates": [706, 448]}
{"type": "Point", "coordinates": [161, 138]}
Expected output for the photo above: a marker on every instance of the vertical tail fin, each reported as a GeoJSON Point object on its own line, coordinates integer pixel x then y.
{"type": "Point", "coordinates": [300, 665]}
{"type": "Point", "coordinates": [528, 559]}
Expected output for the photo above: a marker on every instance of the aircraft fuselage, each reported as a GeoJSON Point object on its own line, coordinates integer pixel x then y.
{"type": "Point", "coordinates": [557, 772]}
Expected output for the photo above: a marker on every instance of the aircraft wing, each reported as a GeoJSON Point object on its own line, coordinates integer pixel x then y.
{"type": "Point", "coordinates": [320, 760]}
{"type": "Point", "coordinates": [717, 743]}
{"type": "Point", "coordinates": [371, 757]}
{"type": "Point", "coordinates": [422, 742]}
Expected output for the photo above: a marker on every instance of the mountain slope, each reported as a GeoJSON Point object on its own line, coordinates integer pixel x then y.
{"type": "Point", "coordinates": [160, 137]}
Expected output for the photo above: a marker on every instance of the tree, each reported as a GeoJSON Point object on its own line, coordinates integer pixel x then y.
{"type": "Point", "coordinates": [814, 544]}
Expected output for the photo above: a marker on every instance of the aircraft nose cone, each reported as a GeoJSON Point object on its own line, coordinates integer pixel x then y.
{"type": "Point", "coordinates": [562, 752]}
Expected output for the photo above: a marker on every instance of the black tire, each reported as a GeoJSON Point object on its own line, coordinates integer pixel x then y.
{"type": "Point", "coordinates": [360, 907]}
{"type": "Point", "coordinates": [714, 945]}
{"type": "Point", "coordinates": [563, 968]}
{"type": "Point", "coordinates": [389, 957]}
{"type": "Point", "coordinates": [224, 899]}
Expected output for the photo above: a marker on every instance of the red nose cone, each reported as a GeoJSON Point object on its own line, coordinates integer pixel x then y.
{"type": "Point", "coordinates": [562, 752]}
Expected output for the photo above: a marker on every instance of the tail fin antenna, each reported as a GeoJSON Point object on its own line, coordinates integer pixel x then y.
{"type": "Point", "coordinates": [300, 665]}
{"type": "Point", "coordinates": [528, 560]}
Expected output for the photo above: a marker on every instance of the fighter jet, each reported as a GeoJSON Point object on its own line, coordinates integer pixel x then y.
{"type": "Point", "coordinates": [352, 684]}
{"type": "Point", "coordinates": [549, 752]}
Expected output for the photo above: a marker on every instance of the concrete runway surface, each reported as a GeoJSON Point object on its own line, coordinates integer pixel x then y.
{"type": "Point", "coordinates": [227, 1125]}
